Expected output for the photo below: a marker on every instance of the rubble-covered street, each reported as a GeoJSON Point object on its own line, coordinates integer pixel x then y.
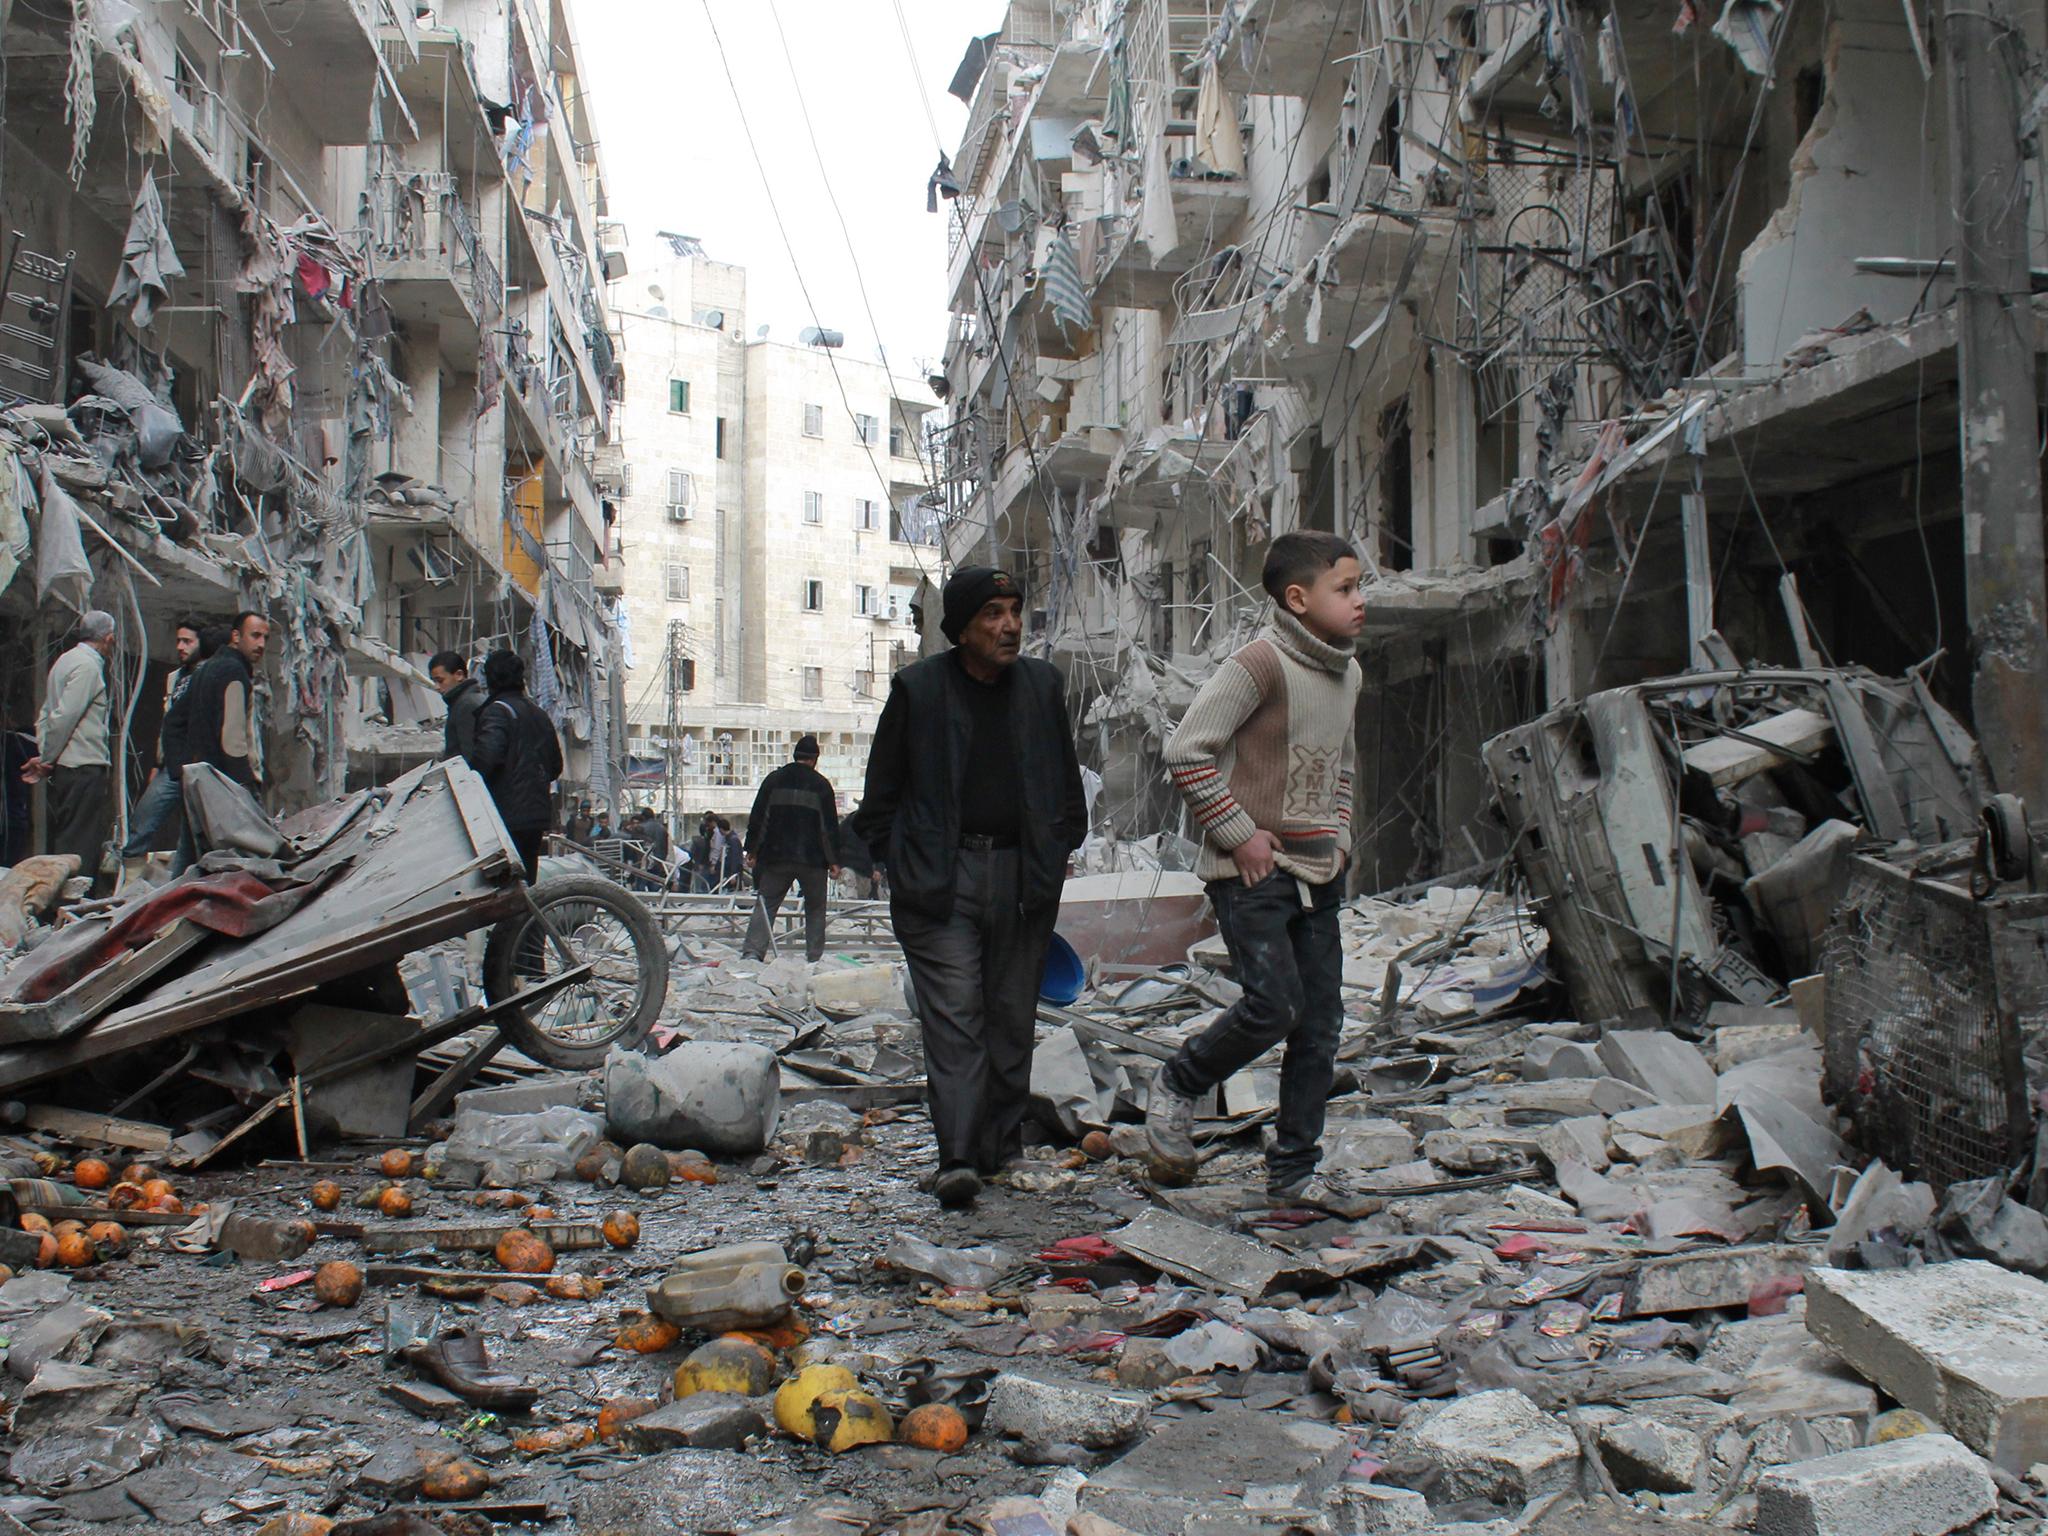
{"type": "Point", "coordinates": [1587, 1283]}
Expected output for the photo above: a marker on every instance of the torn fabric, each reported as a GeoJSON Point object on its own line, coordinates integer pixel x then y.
{"type": "Point", "coordinates": [14, 535]}
{"type": "Point", "coordinates": [61, 566]}
{"type": "Point", "coordinates": [1746, 26]}
{"type": "Point", "coordinates": [1062, 283]}
{"type": "Point", "coordinates": [1218, 144]}
{"type": "Point", "coordinates": [148, 259]}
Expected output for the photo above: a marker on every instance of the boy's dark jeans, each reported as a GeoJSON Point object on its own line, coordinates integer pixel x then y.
{"type": "Point", "coordinates": [1290, 961]}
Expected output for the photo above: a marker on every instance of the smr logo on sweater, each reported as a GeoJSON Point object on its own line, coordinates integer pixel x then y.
{"type": "Point", "coordinates": [1311, 781]}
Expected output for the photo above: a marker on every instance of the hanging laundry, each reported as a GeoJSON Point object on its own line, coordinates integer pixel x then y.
{"type": "Point", "coordinates": [313, 278]}
{"type": "Point", "coordinates": [941, 185]}
{"type": "Point", "coordinates": [1746, 27]}
{"type": "Point", "coordinates": [1061, 279]}
{"type": "Point", "coordinates": [1218, 144]}
{"type": "Point", "coordinates": [148, 260]}
{"type": "Point", "coordinates": [61, 566]}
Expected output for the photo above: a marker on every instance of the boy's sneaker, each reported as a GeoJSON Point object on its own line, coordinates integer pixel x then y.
{"type": "Point", "coordinates": [1169, 1135]}
{"type": "Point", "coordinates": [957, 1186]}
{"type": "Point", "coordinates": [1313, 1192]}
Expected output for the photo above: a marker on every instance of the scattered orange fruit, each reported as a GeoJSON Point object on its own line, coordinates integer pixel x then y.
{"type": "Point", "coordinates": [169, 1205]}
{"type": "Point", "coordinates": [91, 1173]}
{"type": "Point", "coordinates": [395, 1164]}
{"type": "Point", "coordinates": [34, 1221]}
{"type": "Point", "coordinates": [125, 1195]}
{"type": "Point", "coordinates": [934, 1427]}
{"type": "Point", "coordinates": [621, 1411]}
{"type": "Point", "coordinates": [326, 1195]}
{"type": "Point", "coordinates": [395, 1202]}
{"type": "Point", "coordinates": [456, 1480]}
{"type": "Point", "coordinates": [787, 1334]}
{"type": "Point", "coordinates": [646, 1334]}
{"type": "Point", "coordinates": [74, 1250]}
{"type": "Point", "coordinates": [154, 1190]}
{"type": "Point", "coordinates": [66, 1227]}
{"type": "Point", "coordinates": [523, 1253]}
{"type": "Point", "coordinates": [540, 1213]}
{"type": "Point", "coordinates": [109, 1237]}
{"type": "Point", "coordinates": [338, 1283]}
{"type": "Point", "coordinates": [622, 1229]}
{"type": "Point", "coordinates": [564, 1437]}
{"type": "Point", "coordinates": [575, 1287]}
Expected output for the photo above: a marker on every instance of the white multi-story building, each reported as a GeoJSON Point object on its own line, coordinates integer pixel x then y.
{"type": "Point", "coordinates": [776, 519]}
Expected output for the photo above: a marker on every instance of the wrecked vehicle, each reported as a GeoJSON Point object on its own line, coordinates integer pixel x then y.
{"type": "Point", "coordinates": [1686, 837]}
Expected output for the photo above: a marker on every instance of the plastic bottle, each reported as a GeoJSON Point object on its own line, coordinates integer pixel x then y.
{"type": "Point", "coordinates": [745, 1285]}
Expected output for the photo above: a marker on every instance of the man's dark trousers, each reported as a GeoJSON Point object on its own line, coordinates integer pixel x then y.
{"type": "Point", "coordinates": [1287, 955]}
{"type": "Point", "coordinates": [76, 812]}
{"type": "Point", "coordinates": [977, 975]}
{"type": "Point", "coordinates": [771, 884]}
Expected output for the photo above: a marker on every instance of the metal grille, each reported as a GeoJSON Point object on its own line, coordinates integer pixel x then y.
{"type": "Point", "coordinates": [1551, 213]}
{"type": "Point", "coordinates": [1922, 1050]}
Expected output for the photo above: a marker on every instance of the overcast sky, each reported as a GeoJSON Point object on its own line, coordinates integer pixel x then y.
{"type": "Point", "coordinates": [676, 158]}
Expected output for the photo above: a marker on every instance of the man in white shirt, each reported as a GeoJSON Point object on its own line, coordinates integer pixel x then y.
{"type": "Point", "coordinates": [71, 746]}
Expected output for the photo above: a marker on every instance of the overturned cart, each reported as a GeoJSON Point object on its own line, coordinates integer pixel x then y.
{"type": "Point", "coordinates": [271, 977]}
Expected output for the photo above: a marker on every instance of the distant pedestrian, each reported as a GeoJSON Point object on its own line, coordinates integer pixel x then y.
{"type": "Point", "coordinates": [519, 756]}
{"type": "Point", "coordinates": [727, 857]}
{"type": "Point", "coordinates": [160, 803]}
{"type": "Point", "coordinates": [702, 877]}
{"type": "Point", "coordinates": [792, 839]}
{"type": "Point", "coordinates": [580, 824]}
{"type": "Point", "coordinates": [464, 696]}
{"type": "Point", "coordinates": [974, 803]}
{"type": "Point", "coordinates": [1263, 758]}
{"type": "Point", "coordinates": [71, 746]}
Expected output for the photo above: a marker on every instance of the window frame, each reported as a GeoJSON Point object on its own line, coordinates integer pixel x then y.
{"type": "Point", "coordinates": [814, 594]}
{"type": "Point", "coordinates": [872, 605]}
{"type": "Point", "coordinates": [867, 430]}
{"type": "Point", "coordinates": [866, 514]}
{"type": "Point", "coordinates": [811, 683]}
{"type": "Point", "coordinates": [676, 581]}
{"type": "Point", "coordinates": [814, 509]}
{"type": "Point", "coordinates": [814, 420]}
{"type": "Point", "coordinates": [682, 385]}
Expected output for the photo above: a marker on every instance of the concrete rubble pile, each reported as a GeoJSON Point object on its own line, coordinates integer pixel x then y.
{"type": "Point", "coordinates": [1579, 1283]}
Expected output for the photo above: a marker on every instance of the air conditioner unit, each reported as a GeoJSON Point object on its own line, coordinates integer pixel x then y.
{"type": "Point", "coordinates": [679, 511]}
{"type": "Point", "coordinates": [892, 610]}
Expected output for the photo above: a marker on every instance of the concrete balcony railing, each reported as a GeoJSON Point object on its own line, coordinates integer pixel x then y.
{"type": "Point", "coordinates": [424, 234]}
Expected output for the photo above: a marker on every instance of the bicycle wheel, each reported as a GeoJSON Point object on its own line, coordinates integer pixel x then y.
{"type": "Point", "coordinates": [605, 927]}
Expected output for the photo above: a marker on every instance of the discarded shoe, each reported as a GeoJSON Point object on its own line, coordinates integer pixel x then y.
{"type": "Point", "coordinates": [956, 1187]}
{"type": "Point", "coordinates": [1169, 1139]}
{"type": "Point", "coordinates": [456, 1360]}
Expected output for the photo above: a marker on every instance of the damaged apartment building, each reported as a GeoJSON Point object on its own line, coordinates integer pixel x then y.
{"type": "Point", "coordinates": [1620, 338]}
{"type": "Point", "coordinates": [305, 314]}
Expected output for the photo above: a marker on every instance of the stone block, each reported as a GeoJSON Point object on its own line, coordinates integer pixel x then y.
{"type": "Point", "coordinates": [1669, 1069]}
{"type": "Point", "coordinates": [1693, 1130]}
{"type": "Point", "coordinates": [1362, 1509]}
{"type": "Point", "coordinates": [1549, 1059]}
{"type": "Point", "coordinates": [1494, 1445]}
{"type": "Point", "coordinates": [1647, 1455]}
{"type": "Point", "coordinates": [1479, 1151]}
{"type": "Point", "coordinates": [705, 1421]}
{"type": "Point", "coordinates": [1964, 1343]}
{"type": "Point", "coordinates": [1715, 1277]}
{"type": "Point", "coordinates": [1581, 1139]}
{"type": "Point", "coordinates": [1042, 1411]}
{"type": "Point", "coordinates": [1365, 1146]}
{"type": "Point", "coordinates": [1924, 1486]}
{"type": "Point", "coordinates": [66, 1396]}
{"type": "Point", "coordinates": [1198, 1469]}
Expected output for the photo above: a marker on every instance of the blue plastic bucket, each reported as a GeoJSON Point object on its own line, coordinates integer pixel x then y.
{"type": "Point", "coordinates": [1064, 976]}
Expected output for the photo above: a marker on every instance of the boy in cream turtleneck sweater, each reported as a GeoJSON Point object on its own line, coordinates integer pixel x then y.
{"type": "Point", "coordinates": [1263, 759]}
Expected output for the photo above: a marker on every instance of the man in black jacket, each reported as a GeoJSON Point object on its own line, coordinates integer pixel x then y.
{"type": "Point", "coordinates": [464, 696]}
{"type": "Point", "coordinates": [973, 803]}
{"type": "Point", "coordinates": [792, 839]}
{"type": "Point", "coordinates": [220, 727]}
{"type": "Point", "coordinates": [519, 756]}
{"type": "Point", "coordinates": [159, 801]}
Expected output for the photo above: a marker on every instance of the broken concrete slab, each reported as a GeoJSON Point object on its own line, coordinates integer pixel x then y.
{"type": "Point", "coordinates": [1716, 1277]}
{"type": "Point", "coordinates": [1670, 1069]}
{"type": "Point", "coordinates": [1644, 1454]}
{"type": "Point", "coordinates": [66, 1396]}
{"type": "Point", "coordinates": [1366, 1146]}
{"type": "Point", "coordinates": [693, 1490]}
{"type": "Point", "coordinates": [1363, 1509]}
{"type": "Point", "coordinates": [1187, 1250]}
{"type": "Point", "coordinates": [1493, 1445]}
{"type": "Point", "coordinates": [1692, 1130]}
{"type": "Point", "coordinates": [1479, 1151]}
{"type": "Point", "coordinates": [1736, 1044]}
{"type": "Point", "coordinates": [709, 1421]}
{"type": "Point", "coordinates": [1965, 1343]}
{"type": "Point", "coordinates": [1550, 1058]}
{"type": "Point", "coordinates": [1581, 1139]}
{"type": "Point", "coordinates": [1926, 1485]}
{"type": "Point", "coordinates": [1044, 1411]}
{"type": "Point", "coordinates": [1191, 1466]}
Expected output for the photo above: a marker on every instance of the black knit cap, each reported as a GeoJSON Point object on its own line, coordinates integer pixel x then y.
{"type": "Point", "coordinates": [971, 588]}
{"type": "Point", "coordinates": [806, 746]}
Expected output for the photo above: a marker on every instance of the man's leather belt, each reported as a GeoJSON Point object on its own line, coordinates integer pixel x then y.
{"type": "Point", "coordinates": [982, 842]}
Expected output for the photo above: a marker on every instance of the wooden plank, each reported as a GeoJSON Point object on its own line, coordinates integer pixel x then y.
{"type": "Point", "coordinates": [418, 1274]}
{"type": "Point", "coordinates": [1729, 760]}
{"type": "Point", "coordinates": [480, 1236]}
{"type": "Point", "coordinates": [440, 1093]}
{"type": "Point", "coordinates": [97, 1130]}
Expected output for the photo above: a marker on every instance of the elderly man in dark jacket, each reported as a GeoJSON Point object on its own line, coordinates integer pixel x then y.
{"type": "Point", "coordinates": [974, 802]}
{"type": "Point", "coordinates": [519, 756]}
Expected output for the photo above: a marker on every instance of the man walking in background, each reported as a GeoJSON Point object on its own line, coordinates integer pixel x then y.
{"type": "Point", "coordinates": [973, 803]}
{"type": "Point", "coordinates": [159, 801]}
{"type": "Point", "coordinates": [464, 696]}
{"type": "Point", "coordinates": [519, 756]}
{"type": "Point", "coordinates": [792, 839]}
{"type": "Point", "coordinates": [221, 724]}
{"type": "Point", "coordinates": [71, 742]}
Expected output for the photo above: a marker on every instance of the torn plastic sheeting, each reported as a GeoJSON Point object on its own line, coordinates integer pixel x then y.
{"type": "Point", "coordinates": [967, 1269]}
